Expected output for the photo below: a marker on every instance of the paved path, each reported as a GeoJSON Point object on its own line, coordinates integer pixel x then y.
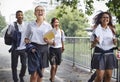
{"type": "Point", "coordinates": [65, 73]}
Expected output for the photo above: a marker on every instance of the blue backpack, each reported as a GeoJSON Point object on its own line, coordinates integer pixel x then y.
{"type": "Point", "coordinates": [8, 38]}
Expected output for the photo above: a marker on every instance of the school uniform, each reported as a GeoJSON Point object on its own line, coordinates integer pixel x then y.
{"type": "Point", "coordinates": [35, 33]}
{"type": "Point", "coordinates": [103, 56]}
{"type": "Point", "coordinates": [56, 51]}
{"type": "Point", "coordinates": [18, 49]}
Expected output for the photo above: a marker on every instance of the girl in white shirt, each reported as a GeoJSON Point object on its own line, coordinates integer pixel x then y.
{"type": "Point", "coordinates": [104, 60]}
{"type": "Point", "coordinates": [56, 48]}
{"type": "Point", "coordinates": [34, 34]}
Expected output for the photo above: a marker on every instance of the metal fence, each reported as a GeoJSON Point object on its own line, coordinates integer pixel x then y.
{"type": "Point", "coordinates": [79, 52]}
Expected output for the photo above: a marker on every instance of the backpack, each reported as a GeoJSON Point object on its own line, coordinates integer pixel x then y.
{"type": "Point", "coordinates": [8, 37]}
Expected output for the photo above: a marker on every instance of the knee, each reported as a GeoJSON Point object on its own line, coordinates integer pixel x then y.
{"type": "Point", "coordinates": [53, 67]}
{"type": "Point", "coordinates": [99, 78]}
{"type": "Point", "coordinates": [33, 76]}
{"type": "Point", "coordinates": [24, 65]}
{"type": "Point", "coordinates": [108, 76]}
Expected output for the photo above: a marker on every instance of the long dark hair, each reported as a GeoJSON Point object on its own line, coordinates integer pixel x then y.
{"type": "Point", "coordinates": [53, 20]}
{"type": "Point", "coordinates": [99, 16]}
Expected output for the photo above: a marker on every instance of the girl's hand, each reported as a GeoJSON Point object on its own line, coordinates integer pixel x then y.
{"type": "Point", "coordinates": [33, 50]}
{"type": "Point", "coordinates": [53, 43]}
{"type": "Point", "coordinates": [46, 40]}
{"type": "Point", "coordinates": [49, 41]}
{"type": "Point", "coordinates": [97, 39]}
{"type": "Point", "coordinates": [27, 40]}
{"type": "Point", "coordinates": [62, 49]}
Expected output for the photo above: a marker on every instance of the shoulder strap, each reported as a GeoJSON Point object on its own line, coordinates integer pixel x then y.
{"type": "Point", "coordinates": [61, 33]}
{"type": "Point", "coordinates": [16, 26]}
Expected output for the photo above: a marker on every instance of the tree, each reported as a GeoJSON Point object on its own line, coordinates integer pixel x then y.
{"type": "Point", "coordinates": [73, 23]}
{"type": "Point", "coordinates": [29, 15]}
{"type": "Point", "coordinates": [113, 6]}
{"type": "Point", "coordinates": [2, 22]}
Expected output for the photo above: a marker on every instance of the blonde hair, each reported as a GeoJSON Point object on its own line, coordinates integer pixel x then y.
{"type": "Point", "coordinates": [41, 7]}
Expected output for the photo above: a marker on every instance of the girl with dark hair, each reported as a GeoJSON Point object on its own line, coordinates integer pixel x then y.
{"type": "Point", "coordinates": [56, 48]}
{"type": "Point", "coordinates": [104, 60]}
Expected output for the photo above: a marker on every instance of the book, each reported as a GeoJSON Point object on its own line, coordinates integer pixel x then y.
{"type": "Point", "coordinates": [49, 35]}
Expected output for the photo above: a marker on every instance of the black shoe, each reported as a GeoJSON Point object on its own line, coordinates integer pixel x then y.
{"type": "Point", "coordinates": [16, 80]}
{"type": "Point", "coordinates": [21, 79]}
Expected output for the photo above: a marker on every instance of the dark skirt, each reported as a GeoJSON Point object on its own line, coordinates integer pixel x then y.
{"type": "Point", "coordinates": [55, 56]}
{"type": "Point", "coordinates": [103, 59]}
{"type": "Point", "coordinates": [34, 60]}
{"type": "Point", "coordinates": [43, 50]}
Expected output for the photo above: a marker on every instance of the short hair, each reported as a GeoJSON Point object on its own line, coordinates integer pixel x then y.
{"type": "Point", "coordinates": [19, 11]}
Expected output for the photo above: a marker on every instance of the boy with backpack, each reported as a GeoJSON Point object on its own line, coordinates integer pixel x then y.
{"type": "Point", "coordinates": [14, 36]}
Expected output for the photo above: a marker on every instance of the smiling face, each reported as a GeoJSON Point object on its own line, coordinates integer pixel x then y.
{"type": "Point", "coordinates": [19, 16]}
{"type": "Point", "coordinates": [39, 12]}
{"type": "Point", "coordinates": [56, 23]}
{"type": "Point", "coordinates": [105, 19]}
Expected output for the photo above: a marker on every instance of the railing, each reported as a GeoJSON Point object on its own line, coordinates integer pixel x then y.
{"type": "Point", "coordinates": [79, 52]}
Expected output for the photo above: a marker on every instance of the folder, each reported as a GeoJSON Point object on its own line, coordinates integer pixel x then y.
{"type": "Point", "coordinates": [49, 35]}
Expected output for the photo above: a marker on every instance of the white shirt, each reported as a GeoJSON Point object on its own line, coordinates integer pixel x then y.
{"type": "Point", "coordinates": [106, 37]}
{"type": "Point", "coordinates": [35, 33]}
{"type": "Point", "coordinates": [22, 28]}
{"type": "Point", "coordinates": [59, 36]}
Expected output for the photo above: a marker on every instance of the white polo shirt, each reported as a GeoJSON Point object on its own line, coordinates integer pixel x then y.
{"type": "Point", "coordinates": [22, 28]}
{"type": "Point", "coordinates": [106, 37]}
{"type": "Point", "coordinates": [35, 33]}
{"type": "Point", "coordinates": [59, 36]}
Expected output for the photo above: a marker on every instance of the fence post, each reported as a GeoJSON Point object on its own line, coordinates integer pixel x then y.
{"type": "Point", "coordinates": [91, 59]}
{"type": "Point", "coordinates": [73, 52]}
{"type": "Point", "coordinates": [118, 69]}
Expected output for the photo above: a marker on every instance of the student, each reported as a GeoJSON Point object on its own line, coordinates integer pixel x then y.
{"type": "Point", "coordinates": [104, 60]}
{"type": "Point", "coordinates": [35, 33]}
{"type": "Point", "coordinates": [18, 46]}
{"type": "Point", "coordinates": [56, 48]}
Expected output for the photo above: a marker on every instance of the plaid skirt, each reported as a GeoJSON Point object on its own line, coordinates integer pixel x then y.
{"type": "Point", "coordinates": [103, 59]}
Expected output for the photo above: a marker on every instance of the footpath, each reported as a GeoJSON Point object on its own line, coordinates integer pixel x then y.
{"type": "Point", "coordinates": [65, 73]}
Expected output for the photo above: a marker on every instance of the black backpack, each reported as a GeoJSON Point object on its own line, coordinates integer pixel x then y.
{"type": "Point", "coordinates": [8, 37]}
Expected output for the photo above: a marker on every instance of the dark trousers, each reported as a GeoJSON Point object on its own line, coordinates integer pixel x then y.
{"type": "Point", "coordinates": [14, 62]}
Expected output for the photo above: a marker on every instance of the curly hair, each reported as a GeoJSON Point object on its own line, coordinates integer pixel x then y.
{"type": "Point", "coordinates": [99, 16]}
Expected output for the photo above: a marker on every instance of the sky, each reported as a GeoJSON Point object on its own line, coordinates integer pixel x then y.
{"type": "Point", "coordinates": [9, 7]}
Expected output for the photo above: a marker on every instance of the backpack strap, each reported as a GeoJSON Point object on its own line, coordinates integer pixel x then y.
{"type": "Point", "coordinates": [61, 34]}
{"type": "Point", "coordinates": [62, 40]}
{"type": "Point", "coordinates": [16, 26]}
